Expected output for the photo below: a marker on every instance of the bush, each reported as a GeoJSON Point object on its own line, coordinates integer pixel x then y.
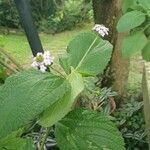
{"type": "Point", "coordinates": [48, 98]}
{"type": "Point", "coordinates": [69, 15]}
{"type": "Point", "coordinates": [129, 116]}
{"type": "Point", "coordinates": [8, 14]}
{"type": "Point", "coordinates": [130, 121]}
{"type": "Point", "coordinates": [49, 16]}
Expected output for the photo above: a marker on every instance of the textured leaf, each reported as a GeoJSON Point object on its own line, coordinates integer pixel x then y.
{"type": "Point", "coordinates": [130, 20]}
{"type": "Point", "coordinates": [87, 54]}
{"type": "Point", "coordinates": [25, 95]}
{"type": "Point", "coordinates": [12, 142]}
{"type": "Point", "coordinates": [58, 110]}
{"type": "Point", "coordinates": [133, 43]}
{"type": "Point", "coordinates": [87, 129]}
{"type": "Point", "coordinates": [146, 52]}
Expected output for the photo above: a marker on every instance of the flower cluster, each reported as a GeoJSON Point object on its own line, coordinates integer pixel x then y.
{"type": "Point", "coordinates": [101, 29]}
{"type": "Point", "coordinates": [42, 61]}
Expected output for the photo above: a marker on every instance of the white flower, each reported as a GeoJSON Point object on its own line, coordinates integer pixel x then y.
{"type": "Point", "coordinates": [48, 59]}
{"type": "Point", "coordinates": [34, 64]}
{"type": "Point", "coordinates": [46, 54]}
{"type": "Point", "coordinates": [101, 29]}
{"type": "Point", "coordinates": [42, 61]}
{"type": "Point", "coordinates": [43, 68]}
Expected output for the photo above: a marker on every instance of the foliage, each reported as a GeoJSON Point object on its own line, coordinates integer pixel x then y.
{"type": "Point", "coordinates": [92, 55]}
{"type": "Point", "coordinates": [27, 95]}
{"type": "Point", "coordinates": [20, 143]}
{"type": "Point", "coordinates": [96, 133]}
{"type": "Point", "coordinates": [8, 14]}
{"type": "Point", "coordinates": [42, 9]}
{"type": "Point", "coordinates": [52, 114]}
{"type": "Point", "coordinates": [136, 18]}
{"type": "Point", "coordinates": [101, 100]}
{"type": "Point", "coordinates": [136, 21]}
{"type": "Point", "coordinates": [32, 97]}
{"type": "Point", "coordinates": [135, 43]}
{"type": "Point", "coordinates": [48, 15]}
{"type": "Point", "coordinates": [37, 134]}
{"type": "Point", "coordinates": [69, 15]}
{"type": "Point", "coordinates": [129, 117]}
{"type": "Point", "coordinates": [130, 121]}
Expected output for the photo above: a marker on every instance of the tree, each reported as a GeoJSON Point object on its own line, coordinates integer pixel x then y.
{"type": "Point", "coordinates": [108, 12]}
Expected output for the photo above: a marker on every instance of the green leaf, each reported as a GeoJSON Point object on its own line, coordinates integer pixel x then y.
{"type": "Point", "coordinates": [87, 129]}
{"type": "Point", "coordinates": [88, 54]}
{"type": "Point", "coordinates": [127, 4]}
{"type": "Point", "coordinates": [12, 142]}
{"type": "Point", "coordinates": [130, 20]}
{"type": "Point", "coordinates": [25, 95]}
{"type": "Point", "coordinates": [59, 109]}
{"type": "Point", "coordinates": [133, 43]}
{"type": "Point", "coordinates": [146, 52]}
{"type": "Point", "coordinates": [145, 4]}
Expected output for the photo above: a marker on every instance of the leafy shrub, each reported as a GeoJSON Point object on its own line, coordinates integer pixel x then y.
{"type": "Point", "coordinates": [32, 97]}
{"type": "Point", "coordinates": [8, 14]}
{"type": "Point", "coordinates": [129, 116]}
{"type": "Point", "coordinates": [49, 15]}
{"type": "Point", "coordinates": [41, 10]}
{"type": "Point", "coordinates": [137, 11]}
{"type": "Point", "coordinates": [68, 16]}
{"type": "Point", "coordinates": [131, 123]}
{"type": "Point", "coordinates": [98, 99]}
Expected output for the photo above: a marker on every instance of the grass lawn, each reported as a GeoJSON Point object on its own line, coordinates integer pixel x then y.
{"type": "Point", "coordinates": [17, 44]}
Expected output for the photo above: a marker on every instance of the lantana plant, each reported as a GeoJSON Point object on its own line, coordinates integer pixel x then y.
{"type": "Point", "coordinates": [39, 96]}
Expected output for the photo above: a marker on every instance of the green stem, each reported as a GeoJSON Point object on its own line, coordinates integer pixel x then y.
{"type": "Point", "coordinates": [44, 139]}
{"type": "Point", "coordinates": [87, 52]}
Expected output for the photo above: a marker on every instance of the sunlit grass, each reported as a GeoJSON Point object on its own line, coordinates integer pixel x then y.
{"type": "Point", "coordinates": [18, 47]}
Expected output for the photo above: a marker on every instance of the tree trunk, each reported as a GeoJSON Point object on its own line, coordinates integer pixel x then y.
{"type": "Point", "coordinates": [107, 12]}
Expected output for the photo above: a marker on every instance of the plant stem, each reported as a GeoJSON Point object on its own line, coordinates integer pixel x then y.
{"type": "Point", "coordinates": [11, 59]}
{"type": "Point", "coordinates": [58, 72]}
{"type": "Point", "coordinates": [8, 67]}
{"type": "Point", "coordinates": [44, 138]}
